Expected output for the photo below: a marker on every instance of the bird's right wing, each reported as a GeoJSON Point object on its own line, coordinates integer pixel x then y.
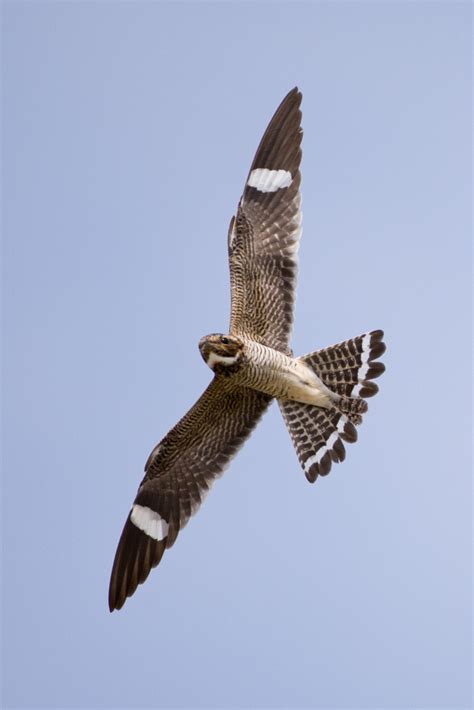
{"type": "Point", "coordinates": [264, 235]}
{"type": "Point", "coordinates": [178, 474]}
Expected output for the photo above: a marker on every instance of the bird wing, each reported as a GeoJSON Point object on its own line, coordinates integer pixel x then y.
{"type": "Point", "coordinates": [264, 236]}
{"type": "Point", "coordinates": [178, 475]}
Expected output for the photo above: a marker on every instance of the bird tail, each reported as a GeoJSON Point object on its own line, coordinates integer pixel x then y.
{"type": "Point", "coordinates": [346, 369]}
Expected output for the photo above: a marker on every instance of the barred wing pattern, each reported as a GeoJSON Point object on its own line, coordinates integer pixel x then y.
{"type": "Point", "coordinates": [264, 236]}
{"type": "Point", "coordinates": [178, 474]}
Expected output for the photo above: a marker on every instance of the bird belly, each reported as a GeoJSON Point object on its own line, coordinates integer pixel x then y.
{"type": "Point", "coordinates": [284, 377]}
{"type": "Point", "coordinates": [299, 383]}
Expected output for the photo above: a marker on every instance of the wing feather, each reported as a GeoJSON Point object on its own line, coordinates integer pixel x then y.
{"type": "Point", "coordinates": [178, 475]}
{"type": "Point", "coordinates": [264, 236]}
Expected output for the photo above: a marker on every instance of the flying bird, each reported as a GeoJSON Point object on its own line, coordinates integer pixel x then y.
{"type": "Point", "coordinates": [321, 395]}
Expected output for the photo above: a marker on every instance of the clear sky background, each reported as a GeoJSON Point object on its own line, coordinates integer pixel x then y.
{"type": "Point", "coordinates": [128, 132]}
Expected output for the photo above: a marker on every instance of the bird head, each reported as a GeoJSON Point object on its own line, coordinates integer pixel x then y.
{"type": "Point", "coordinates": [217, 349]}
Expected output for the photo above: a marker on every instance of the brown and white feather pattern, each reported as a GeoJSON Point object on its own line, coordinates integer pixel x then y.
{"type": "Point", "coordinates": [317, 435]}
{"type": "Point", "coordinates": [252, 364]}
{"type": "Point", "coordinates": [264, 236]}
{"type": "Point", "coordinates": [178, 474]}
{"type": "Point", "coordinates": [347, 369]}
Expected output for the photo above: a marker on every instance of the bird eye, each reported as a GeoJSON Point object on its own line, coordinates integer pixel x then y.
{"type": "Point", "coordinates": [225, 340]}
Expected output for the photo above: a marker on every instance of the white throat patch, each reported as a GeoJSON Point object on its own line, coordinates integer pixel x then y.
{"type": "Point", "coordinates": [215, 359]}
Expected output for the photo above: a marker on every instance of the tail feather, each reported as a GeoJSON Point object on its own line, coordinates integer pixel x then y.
{"type": "Point", "coordinates": [318, 433]}
{"type": "Point", "coordinates": [354, 407]}
{"type": "Point", "coordinates": [348, 368]}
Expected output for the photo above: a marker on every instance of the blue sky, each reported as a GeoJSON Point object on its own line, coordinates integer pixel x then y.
{"type": "Point", "coordinates": [128, 130]}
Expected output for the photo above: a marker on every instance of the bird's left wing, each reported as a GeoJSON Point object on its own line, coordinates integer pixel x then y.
{"type": "Point", "coordinates": [178, 474]}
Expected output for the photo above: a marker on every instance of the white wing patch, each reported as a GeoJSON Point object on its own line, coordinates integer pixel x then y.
{"type": "Point", "coordinates": [266, 180]}
{"type": "Point", "coordinates": [363, 370]}
{"type": "Point", "coordinates": [150, 522]}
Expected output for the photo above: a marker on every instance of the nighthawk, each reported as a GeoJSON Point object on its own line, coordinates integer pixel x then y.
{"type": "Point", "coordinates": [321, 395]}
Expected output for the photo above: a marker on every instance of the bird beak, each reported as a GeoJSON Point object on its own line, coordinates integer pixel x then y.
{"type": "Point", "coordinates": [204, 348]}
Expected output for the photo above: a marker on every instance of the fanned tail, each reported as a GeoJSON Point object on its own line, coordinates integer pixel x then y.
{"type": "Point", "coordinates": [353, 407]}
{"type": "Point", "coordinates": [347, 369]}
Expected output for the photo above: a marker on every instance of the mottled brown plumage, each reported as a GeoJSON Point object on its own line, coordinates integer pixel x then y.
{"type": "Point", "coordinates": [264, 237]}
{"type": "Point", "coordinates": [320, 394]}
{"type": "Point", "coordinates": [179, 473]}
